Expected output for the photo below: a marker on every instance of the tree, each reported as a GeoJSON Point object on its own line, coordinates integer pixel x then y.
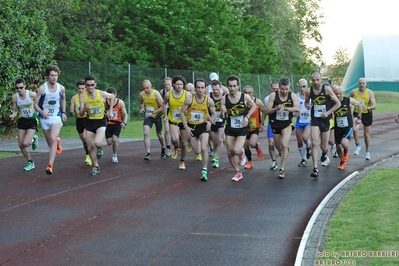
{"type": "Point", "coordinates": [25, 50]}
{"type": "Point", "coordinates": [342, 61]}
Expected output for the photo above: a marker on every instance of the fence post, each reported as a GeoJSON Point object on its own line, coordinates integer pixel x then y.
{"type": "Point", "coordinates": [128, 88]}
{"type": "Point", "coordinates": [89, 68]}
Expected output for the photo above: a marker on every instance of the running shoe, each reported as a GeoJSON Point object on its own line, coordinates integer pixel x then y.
{"type": "Point", "coordinates": [342, 165]}
{"type": "Point", "coordinates": [249, 165]}
{"type": "Point", "coordinates": [147, 156]}
{"type": "Point", "coordinates": [326, 161]}
{"type": "Point", "coordinates": [281, 174]}
{"type": "Point", "coordinates": [189, 147]}
{"type": "Point", "coordinates": [198, 157]}
{"type": "Point", "coordinates": [35, 143]}
{"type": "Point", "coordinates": [100, 153]}
{"type": "Point", "coordinates": [204, 175]}
{"type": "Point", "coordinates": [210, 153]}
{"type": "Point", "coordinates": [238, 176]}
{"type": "Point", "coordinates": [114, 159]}
{"type": "Point", "coordinates": [274, 165]}
{"type": "Point", "coordinates": [88, 160]}
{"type": "Point", "coordinates": [59, 148]}
{"type": "Point", "coordinates": [182, 166]}
{"type": "Point", "coordinates": [335, 155]}
{"type": "Point", "coordinates": [96, 170]}
{"type": "Point", "coordinates": [367, 155]}
{"type": "Point", "coordinates": [357, 150]}
{"type": "Point", "coordinates": [168, 152]}
{"type": "Point", "coordinates": [315, 173]}
{"type": "Point", "coordinates": [333, 149]}
{"type": "Point", "coordinates": [174, 153]}
{"type": "Point", "coordinates": [308, 152]}
{"type": "Point", "coordinates": [242, 158]}
{"type": "Point", "coordinates": [29, 166]}
{"type": "Point", "coordinates": [259, 151]}
{"type": "Point", "coordinates": [302, 163]}
{"type": "Point", "coordinates": [345, 157]}
{"type": "Point", "coordinates": [163, 155]}
{"type": "Point", "coordinates": [49, 169]}
{"type": "Point", "coordinates": [215, 163]}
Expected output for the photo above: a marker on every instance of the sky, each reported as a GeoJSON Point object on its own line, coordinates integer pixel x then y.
{"type": "Point", "coordinates": [346, 21]}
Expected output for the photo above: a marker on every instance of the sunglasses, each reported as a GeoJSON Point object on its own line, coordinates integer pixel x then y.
{"type": "Point", "coordinates": [20, 88]}
{"type": "Point", "coordinates": [302, 86]}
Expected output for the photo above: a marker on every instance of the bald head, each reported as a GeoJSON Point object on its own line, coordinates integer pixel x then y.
{"type": "Point", "coordinates": [339, 92]}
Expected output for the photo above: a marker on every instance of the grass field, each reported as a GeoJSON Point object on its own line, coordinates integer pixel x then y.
{"type": "Point", "coordinates": [367, 220]}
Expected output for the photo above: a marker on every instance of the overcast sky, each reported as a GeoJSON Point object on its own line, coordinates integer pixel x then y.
{"type": "Point", "coordinates": [347, 20]}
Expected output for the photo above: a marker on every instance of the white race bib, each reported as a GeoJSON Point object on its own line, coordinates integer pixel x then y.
{"type": "Point", "coordinates": [197, 116]}
{"type": "Point", "coordinates": [236, 121]}
{"type": "Point", "coordinates": [342, 121]}
{"type": "Point", "coordinates": [282, 116]}
{"type": "Point", "coordinates": [318, 110]}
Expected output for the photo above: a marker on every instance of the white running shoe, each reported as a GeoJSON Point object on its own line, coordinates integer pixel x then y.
{"type": "Point", "coordinates": [357, 150]}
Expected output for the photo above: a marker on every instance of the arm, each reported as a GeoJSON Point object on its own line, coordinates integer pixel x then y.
{"type": "Point", "coordinates": [212, 113]}
{"type": "Point", "coordinates": [14, 107]}
{"type": "Point", "coordinates": [337, 104]}
{"type": "Point", "coordinates": [165, 108]}
{"type": "Point", "coordinates": [111, 98]}
{"type": "Point", "coordinates": [63, 104]}
{"type": "Point", "coordinates": [39, 94]}
{"type": "Point", "coordinates": [82, 105]}
{"type": "Point", "coordinates": [248, 102]}
{"type": "Point", "coordinates": [223, 109]}
{"type": "Point", "coordinates": [124, 113]}
{"type": "Point", "coordinates": [353, 102]}
{"type": "Point", "coordinates": [183, 110]}
{"type": "Point", "coordinates": [270, 103]}
{"type": "Point", "coordinates": [72, 106]}
{"type": "Point", "coordinates": [160, 103]}
{"type": "Point", "coordinates": [373, 105]}
{"type": "Point", "coordinates": [141, 102]}
{"type": "Point", "coordinates": [296, 107]}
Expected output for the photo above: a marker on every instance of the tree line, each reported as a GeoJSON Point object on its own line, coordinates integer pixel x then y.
{"type": "Point", "coordinates": [231, 36]}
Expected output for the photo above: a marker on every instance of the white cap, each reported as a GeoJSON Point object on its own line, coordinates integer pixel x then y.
{"type": "Point", "coordinates": [213, 76]}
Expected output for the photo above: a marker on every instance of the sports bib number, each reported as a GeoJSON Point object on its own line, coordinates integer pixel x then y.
{"type": "Point", "coordinates": [305, 117]}
{"type": "Point", "coordinates": [318, 110]}
{"type": "Point", "coordinates": [218, 118]}
{"type": "Point", "coordinates": [197, 116]}
{"type": "Point", "coordinates": [26, 112]}
{"type": "Point", "coordinates": [176, 115]}
{"type": "Point", "coordinates": [236, 121]}
{"type": "Point", "coordinates": [342, 121]}
{"type": "Point", "coordinates": [282, 116]}
{"type": "Point", "coordinates": [95, 110]}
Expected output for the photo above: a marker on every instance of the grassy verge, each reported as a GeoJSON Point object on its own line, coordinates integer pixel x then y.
{"type": "Point", "coordinates": [367, 221]}
{"type": "Point", "coordinates": [6, 154]}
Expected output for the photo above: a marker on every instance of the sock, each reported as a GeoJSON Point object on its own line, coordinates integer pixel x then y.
{"type": "Point", "coordinates": [204, 169]}
{"type": "Point", "coordinates": [168, 146]}
{"type": "Point", "coordinates": [249, 155]}
{"type": "Point", "coordinates": [302, 152]}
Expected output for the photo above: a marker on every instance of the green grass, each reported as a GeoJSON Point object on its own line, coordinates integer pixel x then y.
{"type": "Point", "coordinates": [6, 154]}
{"type": "Point", "coordinates": [367, 220]}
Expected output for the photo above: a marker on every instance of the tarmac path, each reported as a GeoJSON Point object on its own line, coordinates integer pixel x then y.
{"type": "Point", "coordinates": [141, 212]}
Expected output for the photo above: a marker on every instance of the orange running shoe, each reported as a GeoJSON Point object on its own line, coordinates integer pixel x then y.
{"type": "Point", "coordinates": [49, 169]}
{"type": "Point", "coordinates": [259, 151]}
{"type": "Point", "coordinates": [342, 165]}
{"type": "Point", "coordinates": [249, 165]}
{"type": "Point", "coordinates": [345, 157]}
{"type": "Point", "coordinates": [59, 148]}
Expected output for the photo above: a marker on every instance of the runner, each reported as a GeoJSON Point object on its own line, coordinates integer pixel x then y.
{"type": "Point", "coordinates": [92, 101]}
{"type": "Point", "coordinates": [238, 107]}
{"type": "Point", "coordinates": [281, 106]}
{"type": "Point", "coordinates": [198, 106]}
{"type": "Point", "coordinates": [344, 125]}
{"type": "Point", "coordinates": [50, 102]}
{"type": "Point", "coordinates": [114, 126]}
{"type": "Point", "coordinates": [23, 102]}
{"type": "Point", "coordinates": [175, 100]}
{"type": "Point", "coordinates": [80, 120]}
{"type": "Point", "coordinates": [366, 97]}
{"type": "Point", "coordinates": [269, 133]}
{"type": "Point", "coordinates": [255, 125]}
{"type": "Point", "coordinates": [151, 106]}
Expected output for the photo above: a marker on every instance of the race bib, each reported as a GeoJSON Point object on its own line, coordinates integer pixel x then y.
{"type": "Point", "coordinates": [176, 115]}
{"type": "Point", "coordinates": [197, 116]}
{"type": "Point", "coordinates": [342, 121]}
{"type": "Point", "coordinates": [305, 117]}
{"type": "Point", "coordinates": [218, 118]}
{"type": "Point", "coordinates": [282, 116]}
{"type": "Point", "coordinates": [318, 110]}
{"type": "Point", "coordinates": [236, 121]}
{"type": "Point", "coordinates": [26, 112]}
{"type": "Point", "coordinates": [95, 110]}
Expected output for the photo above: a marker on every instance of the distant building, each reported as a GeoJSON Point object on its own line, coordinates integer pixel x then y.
{"type": "Point", "coordinates": [377, 59]}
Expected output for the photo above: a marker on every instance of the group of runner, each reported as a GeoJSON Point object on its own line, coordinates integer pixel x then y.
{"type": "Point", "coordinates": [201, 117]}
